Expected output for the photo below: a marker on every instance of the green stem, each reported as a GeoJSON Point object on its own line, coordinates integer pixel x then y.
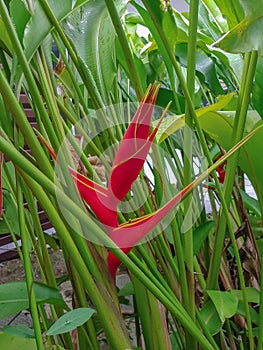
{"type": "Point", "coordinates": [188, 171]}
{"type": "Point", "coordinates": [238, 130]}
{"type": "Point", "coordinates": [133, 72]}
{"type": "Point", "coordinates": [114, 331]}
{"type": "Point", "coordinates": [28, 267]}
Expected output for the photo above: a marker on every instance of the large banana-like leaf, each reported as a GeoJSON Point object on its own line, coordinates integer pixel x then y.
{"type": "Point", "coordinates": [38, 25]}
{"type": "Point", "coordinates": [245, 36]}
{"type": "Point", "coordinates": [91, 30]}
{"type": "Point", "coordinates": [231, 10]}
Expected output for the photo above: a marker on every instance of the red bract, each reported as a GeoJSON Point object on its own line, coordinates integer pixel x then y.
{"type": "Point", "coordinates": [127, 165]}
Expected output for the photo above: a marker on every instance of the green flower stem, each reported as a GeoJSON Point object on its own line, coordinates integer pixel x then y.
{"type": "Point", "coordinates": [180, 258]}
{"type": "Point", "coordinates": [28, 267]}
{"type": "Point", "coordinates": [134, 76]}
{"type": "Point", "coordinates": [14, 106]}
{"type": "Point", "coordinates": [188, 167]}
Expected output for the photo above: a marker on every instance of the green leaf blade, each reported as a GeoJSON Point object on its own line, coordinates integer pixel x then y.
{"type": "Point", "coordinates": [70, 321]}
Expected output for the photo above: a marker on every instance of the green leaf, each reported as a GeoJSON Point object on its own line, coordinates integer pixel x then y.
{"type": "Point", "coordinates": [20, 331]}
{"type": "Point", "coordinates": [39, 26]}
{"type": "Point", "coordinates": [205, 66]}
{"type": "Point", "coordinates": [244, 37]}
{"type": "Point", "coordinates": [165, 22]}
{"type": "Point", "coordinates": [70, 321]}
{"type": "Point", "coordinates": [231, 10]}
{"type": "Point", "coordinates": [219, 126]}
{"type": "Point", "coordinates": [211, 318]}
{"type": "Point", "coordinates": [172, 123]}
{"type": "Point", "coordinates": [14, 297]}
{"type": "Point", "coordinates": [11, 342]}
{"type": "Point", "coordinates": [225, 303]}
{"type": "Point", "coordinates": [126, 290]}
{"type": "Point", "coordinates": [253, 294]}
{"type": "Point", "coordinates": [92, 32]}
{"type": "Point", "coordinates": [137, 62]}
{"type": "Point", "coordinates": [250, 203]}
{"type": "Point", "coordinates": [20, 17]}
{"type": "Point", "coordinates": [5, 41]}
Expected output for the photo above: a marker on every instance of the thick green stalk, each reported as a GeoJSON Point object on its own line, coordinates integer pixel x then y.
{"type": "Point", "coordinates": [28, 267]}
{"type": "Point", "coordinates": [238, 130]}
{"type": "Point", "coordinates": [188, 167]}
{"type": "Point", "coordinates": [134, 75]}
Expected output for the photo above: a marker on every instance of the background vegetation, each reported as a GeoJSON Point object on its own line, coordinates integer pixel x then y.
{"type": "Point", "coordinates": [197, 284]}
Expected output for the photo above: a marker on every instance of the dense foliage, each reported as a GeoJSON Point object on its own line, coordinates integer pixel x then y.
{"type": "Point", "coordinates": [148, 130]}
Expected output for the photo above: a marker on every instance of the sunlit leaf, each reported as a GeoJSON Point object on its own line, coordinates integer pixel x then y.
{"type": "Point", "coordinates": [92, 32]}
{"type": "Point", "coordinates": [231, 10]}
{"type": "Point", "coordinates": [39, 25]}
{"type": "Point", "coordinates": [20, 17]}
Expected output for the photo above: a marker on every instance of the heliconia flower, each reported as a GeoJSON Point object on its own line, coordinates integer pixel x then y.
{"type": "Point", "coordinates": [127, 165]}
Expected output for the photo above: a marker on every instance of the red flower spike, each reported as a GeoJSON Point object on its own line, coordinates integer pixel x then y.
{"type": "Point", "coordinates": [127, 165]}
{"type": "Point", "coordinates": [134, 147]}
